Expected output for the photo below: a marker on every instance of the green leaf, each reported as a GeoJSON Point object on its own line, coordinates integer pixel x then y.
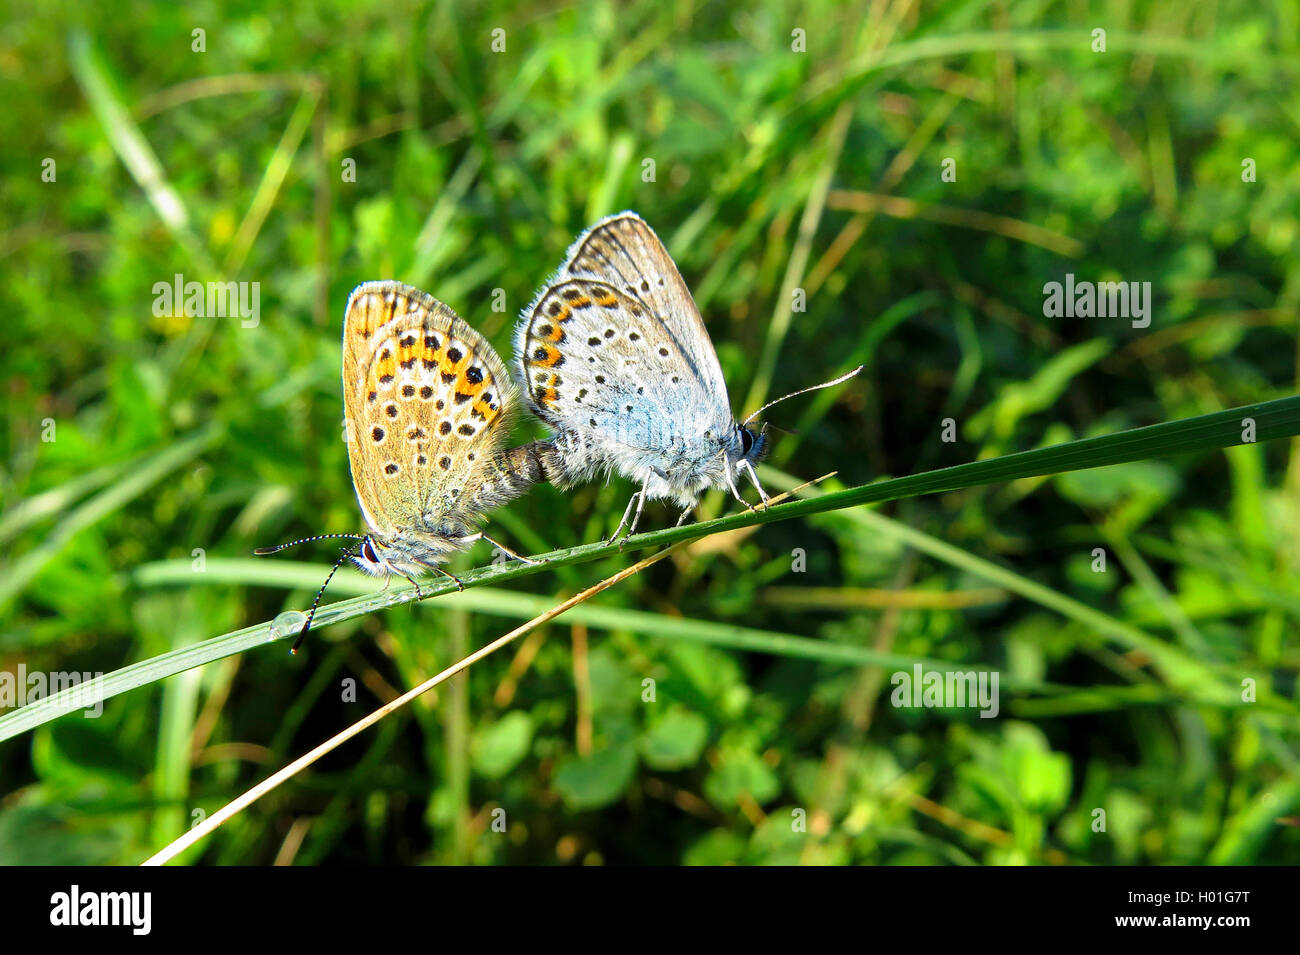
{"type": "Point", "coordinates": [741, 773]}
{"type": "Point", "coordinates": [499, 746]}
{"type": "Point", "coordinates": [675, 740]}
{"type": "Point", "coordinates": [589, 782]}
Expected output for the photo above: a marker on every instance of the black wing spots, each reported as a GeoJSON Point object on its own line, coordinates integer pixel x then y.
{"type": "Point", "coordinates": [377, 434]}
{"type": "Point", "coordinates": [408, 391]}
{"type": "Point", "coordinates": [391, 411]}
{"type": "Point", "coordinates": [426, 392]}
{"type": "Point", "coordinates": [474, 375]}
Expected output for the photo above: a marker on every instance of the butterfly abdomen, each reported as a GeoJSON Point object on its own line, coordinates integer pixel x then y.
{"type": "Point", "coordinates": [514, 471]}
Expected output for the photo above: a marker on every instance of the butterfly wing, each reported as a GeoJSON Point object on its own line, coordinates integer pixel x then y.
{"type": "Point", "coordinates": [597, 360]}
{"type": "Point", "coordinates": [426, 399]}
{"type": "Point", "coordinates": [615, 345]}
{"type": "Point", "coordinates": [623, 252]}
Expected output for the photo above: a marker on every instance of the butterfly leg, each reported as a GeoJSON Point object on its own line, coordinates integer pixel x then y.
{"type": "Point", "coordinates": [731, 482]}
{"type": "Point", "coordinates": [753, 476]}
{"type": "Point", "coordinates": [460, 584]}
{"type": "Point", "coordinates": [685, 514]}
{"type": "Point", "coordinates": [627, 512]}
{"type": "Point", "coordinates": [419, 594]}
{"type": "Point", "coordinates": [507, 551]}
{"type": "Point", "coordinates": [636, 518]}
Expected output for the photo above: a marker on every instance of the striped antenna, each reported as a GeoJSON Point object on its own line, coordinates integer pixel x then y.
{"type": "Point", "coordinates": [302, 634]}
{"type": "Point", "coordinates": [263, 551]}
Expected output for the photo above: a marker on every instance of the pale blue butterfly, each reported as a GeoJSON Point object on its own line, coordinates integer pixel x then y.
{"type": "Point", "coordinates": [614, 356]}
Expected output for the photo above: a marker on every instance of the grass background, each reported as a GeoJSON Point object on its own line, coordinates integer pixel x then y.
{"type": "Point", "coordinates": [774, 171]}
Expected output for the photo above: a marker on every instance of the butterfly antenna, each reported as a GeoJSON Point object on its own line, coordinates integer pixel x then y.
{"type": "Point", "coordinates": [263, 551]}
{"type": "Point", "coordinates": [803, 391]}
{"type": "Point", "coordinates": [312, 612]}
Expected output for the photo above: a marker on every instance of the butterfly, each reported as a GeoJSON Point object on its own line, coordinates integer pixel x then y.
{"type": "Point", "coordinates": [427, 405]}
{"type": "Point", "coordinates": [614, 356]}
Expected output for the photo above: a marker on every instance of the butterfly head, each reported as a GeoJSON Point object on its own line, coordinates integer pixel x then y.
{"type": "Point", "coordinates": [370, 558]}
{"type": "Point", "coordinates": [747, 445]}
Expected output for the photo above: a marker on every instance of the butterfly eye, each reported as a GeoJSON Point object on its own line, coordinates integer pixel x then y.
{"type": "Point", "coordinates": [746, 440]}
{"type": "Point", "coordinates": [368, 552]}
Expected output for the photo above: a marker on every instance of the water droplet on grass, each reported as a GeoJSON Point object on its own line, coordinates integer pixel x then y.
{"type": "Point", "coordinates": [287, 623]}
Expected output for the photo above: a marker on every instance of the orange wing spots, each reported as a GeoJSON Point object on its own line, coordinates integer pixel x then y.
{"type": "Point", "coordinates": [559, 311]}
{"type": "Point", "coordinates": [453, 358]}
{"type": "Point", "coordinates": [486, 411]}
{"type": "Point", "coordinates": [580, 302]}
{"type": "Point", "coordinates": [470, 384]}
{"type": "Point", "coordinates": [607, 299]}
{"type": "Point", "coordinates": [385, 367]}
{"type": "Point", "coordinates": [409, 349]}
{"type": "Point", "coordinates": [545, 356]}
{"type": "Point", "coordinates": [548, 394]}
{"type": "Point", "coordinates": [556, 334]}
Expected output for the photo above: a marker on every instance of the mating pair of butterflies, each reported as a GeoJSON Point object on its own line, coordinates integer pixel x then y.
{"type": "Point", "coordinates": [612, 355]}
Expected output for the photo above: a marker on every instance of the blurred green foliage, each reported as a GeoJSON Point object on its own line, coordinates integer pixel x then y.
{"type": "Point", "coordinates": [183, 437]}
